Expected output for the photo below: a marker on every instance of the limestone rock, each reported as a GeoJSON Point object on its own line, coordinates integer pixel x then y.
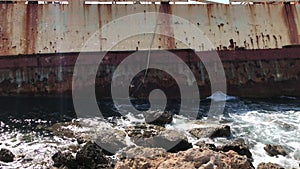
{"type": "Point", "coordinates": [192, 158]}
{"type": "Point", "coordinates": [170, 140]}
{"type": "Point", "coordinates": [158, 117]}
{"type": "Point", "coordinates": [143, 131]}
{"type": "Point", "coordinates": [274, 150]}
{"type": "Point", "coordinates": [63, 129]}
{"type": "Point", "coordinates": [204, 145]}
{"type": "Point", "coordinates": [111, 141]}
{"type": "Point", "coordinates": [238, 146]}
{"type": "Point", "coordinates": [211, 132]}
{"type": "Point", "coordinates": [142, 152]}
{"type": "Point", "coordinates": [269, 166]}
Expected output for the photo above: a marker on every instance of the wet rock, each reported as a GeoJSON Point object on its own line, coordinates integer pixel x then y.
{"type": "Point", "coordinates": [192, 158]}
{"type": "Point", "coordinates": [6, 155]}
{"type": "Point", "coordinates": [170, 140]}
{"type": "Point", "coordinates": [80, 140]}
{"type": "Point", "coordinates": [111, 141]}
{"type": "Point", "coordinates": [64, 129]}
{"type": "Point", "coordinates": [238, 146]}
{"type": "Point", "coordinates": [158, 117]}
{"type": "Point", "coordinates": [64, 160]}
{"type": "Point", "coordinates": [274, 150]}
{"type": "Point", "coordinates": [211, 132]}
{"type": "Point", "coordinates": [297, 155]}
{"type": "Point", "coordinates": [203, 145]}
{"type": "Point", "coordinates": [269, 166]}
{"type": "Point", "coordinates": [92, 156]}
{"type": "Point", "coordinates": [143, 131]}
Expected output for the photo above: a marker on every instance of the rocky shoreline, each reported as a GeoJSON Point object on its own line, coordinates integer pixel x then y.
{"type": "Point", "coordinates": [152, 145]}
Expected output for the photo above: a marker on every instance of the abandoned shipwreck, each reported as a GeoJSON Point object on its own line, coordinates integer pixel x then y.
{"type": "Point", "coordinates": [256, 43]}
{"type": "Point", "coordinates": [56, 56]}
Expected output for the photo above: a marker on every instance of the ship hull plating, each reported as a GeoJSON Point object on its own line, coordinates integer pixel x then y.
{"type": "Point", "coordinates": [249, 73]}
{"type": "Point", "coordinates": [39, 45]}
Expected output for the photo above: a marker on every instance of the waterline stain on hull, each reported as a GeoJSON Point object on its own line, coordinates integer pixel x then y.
{"type": "Point", "coordinates": [249, 73]}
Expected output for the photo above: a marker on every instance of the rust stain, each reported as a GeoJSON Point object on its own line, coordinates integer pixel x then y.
{"type": "Point", "coordinates": [209, 14]}
{"type": "Point", "coordinates": [289, 18]}
{"type": "Point", "coordinates": [31, 28]}
{"type": "Point", "coordinates": [108, 12]}
{"type": "Point", "coordinates": [5, 33]}
{"type": "Point", "coordinates": [243, 68]}
{"type": "Point", "coordinates": [99, 26]}
{"type": "Point", "coordinates": [166, 27]}
{"type": "Point", "coordinates": [259, 29]}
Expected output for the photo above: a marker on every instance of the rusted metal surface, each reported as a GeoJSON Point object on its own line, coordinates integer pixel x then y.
{"type": "Point", "coordinates": [39, 45]}
{"type": "Point", "coordinates": [253, 73]}
{"type": "Point", "coordinates": [50, 28]}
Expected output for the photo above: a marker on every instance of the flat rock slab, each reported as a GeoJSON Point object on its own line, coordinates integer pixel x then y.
{"type": "Point", "coordinates": [211, 132]}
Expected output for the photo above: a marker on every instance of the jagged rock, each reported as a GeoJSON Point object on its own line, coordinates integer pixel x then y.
{"type": "Point", "coordinates": [63, 129]}
{"type": "Point", "coordinates": [143, 131]}
{"type": "Point", "coordinates": [238, 146]}
{"type": "Point", "coordinates": [80, 140]}
{"type": "Point", "coordinates": [211, 132]}
{"type": "Point", "coordinates": [111, 141]}
{"type": "Point", "coordinates": [158, 117]}
{"type": "Point", "coordinates": [235, 161]}
{"type": "Point", "coordinates": [170, 140]}
{"type": "Point", "coordinates": [269, 166]}
{"type": "Point", "coordinates": [92, 156]}
{"type": "Point", "coordinates": [142, 152]}
{"type": "Point", "coordinates": [204, 145]}
{"type": "Point", "coordinates": [274, 150]}
{"type": "Point", "coordinates": [64, 160]}
{"type": "Point", "coordinates": [6, 155]}
{"type": "Point", "coordinates": [192, 158]}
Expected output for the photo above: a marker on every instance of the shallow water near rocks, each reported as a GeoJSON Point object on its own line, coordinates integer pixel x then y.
{"type": "Point", "coordinates": [24, 127]}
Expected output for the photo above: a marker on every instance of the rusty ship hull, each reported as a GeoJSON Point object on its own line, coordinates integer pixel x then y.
{"type": "Point", "coordinates": [257, 44]}
{"type": "Point", "coordinates": [249, 73]}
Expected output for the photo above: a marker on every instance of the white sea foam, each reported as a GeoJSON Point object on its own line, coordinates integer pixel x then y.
{"type": "Point", "coordinates": [257, 127]}
{"type": "Point", "coordinates": [280, 128]}
{"type": "Point", "coordinates": [220, 96]}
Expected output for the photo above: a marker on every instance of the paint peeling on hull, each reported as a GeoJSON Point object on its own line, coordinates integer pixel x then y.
{"type": "Point", "coordinates": [50, 28]}
{"type": "Point", "coordinates": [39, 45]}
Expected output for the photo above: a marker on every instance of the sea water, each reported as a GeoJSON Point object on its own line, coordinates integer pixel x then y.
{"type": "Point", "coordinates": [24, 123]}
